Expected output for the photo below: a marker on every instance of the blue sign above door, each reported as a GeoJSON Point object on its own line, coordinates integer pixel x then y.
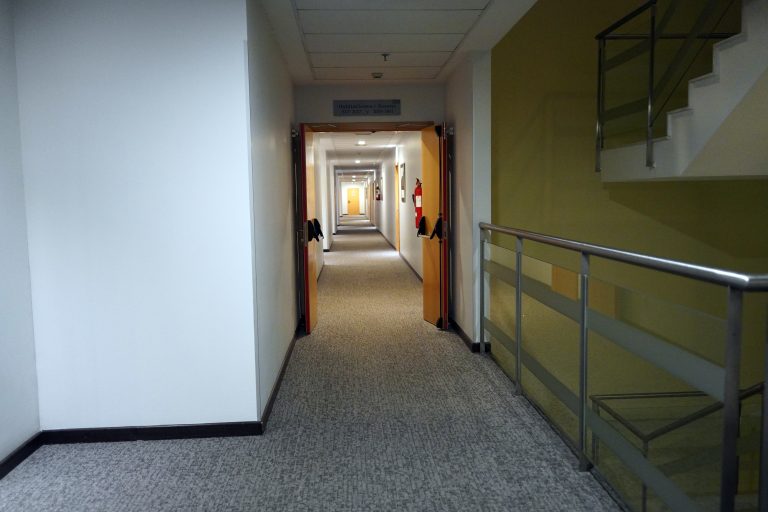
{"type": "Point", "coordinates": [366, 108]}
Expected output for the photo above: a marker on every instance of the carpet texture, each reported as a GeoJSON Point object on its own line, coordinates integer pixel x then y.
{"type": "Point", "coordinates": [378, 411]}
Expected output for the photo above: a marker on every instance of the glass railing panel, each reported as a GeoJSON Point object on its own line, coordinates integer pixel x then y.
{"type": "Point", "coordinates": [551, 341]}
{"type": "Point", "coordinates": [749, 452]}
{"type": "Point", "coordinates": [755, 337]}
{"type": "Point", "coordinates": [648, 362]}
{"type": "Point", "coordinates": [500, 305]}
{"type": "Point", "coordinates": [626, 92]}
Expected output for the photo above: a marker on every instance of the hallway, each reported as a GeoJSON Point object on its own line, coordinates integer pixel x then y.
{"type": "Point", "coordinates": [378, 410]}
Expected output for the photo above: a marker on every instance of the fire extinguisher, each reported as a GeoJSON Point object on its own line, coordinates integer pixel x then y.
{"type": "Point", "coordinates": [417, 202]}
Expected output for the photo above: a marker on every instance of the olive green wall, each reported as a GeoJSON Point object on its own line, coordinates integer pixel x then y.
{"type": "Point", "coordinates": [543, 179]}
{"type": "Point", "coordinates": [544, 80]}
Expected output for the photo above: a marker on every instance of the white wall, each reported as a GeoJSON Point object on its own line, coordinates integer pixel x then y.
{"type": "Point", "coordinates": [271, 103]}
{"type": "Point", "coordinates": [334, 193]}
{"type": "Point", "coordinates": [325, 176]}
{"type": "Point", "coordinates": [409, 153]}
{"type": "Point", "coordinates": [385, 209]}
{"type": "Point", "coordinates": [468, 110]}
{"type": "Point", "coordinates": [19, 419]}
{"type": "Point", "coordinates": [345, 186]}
{"type": "Point", "coordinates": [314, 103]}
{"type": "Point", "coordinates": [135, 147]}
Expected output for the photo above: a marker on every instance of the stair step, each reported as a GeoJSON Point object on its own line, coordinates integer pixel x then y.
{"type": "Point", "coordinates": [732, 41]}
{"type": "Point", "coordinates": [642, 143]}
{"type": "Point", "coordinates": [705, 80]}
{"type": "Point", "coordinates": [680, 111]}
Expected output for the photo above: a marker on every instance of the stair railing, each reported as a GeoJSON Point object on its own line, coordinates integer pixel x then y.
{"type": "Point", "coordinates": [707, 19]}
{"type": "Point", "coordinates": [502, 259]}
{"type": "Point", "coordinates": [600, 403]}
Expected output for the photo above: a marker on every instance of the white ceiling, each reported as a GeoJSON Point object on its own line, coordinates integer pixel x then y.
{"type": "Point", "coordinates": [342, 41]}
{"type": "Point", "coordinates": [342, 147]}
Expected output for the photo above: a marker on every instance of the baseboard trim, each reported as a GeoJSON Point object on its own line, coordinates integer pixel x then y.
{"type": "Point", "coordinates": [152, 433]}
{"type": "Point", "coordinates": [279, 382]}
{"type": "Point", "coordinates": [20, 454]}
{"type": "Point", "coordinates": [122, 434]}
{"type": "Point", "coordinates": [473, 346]}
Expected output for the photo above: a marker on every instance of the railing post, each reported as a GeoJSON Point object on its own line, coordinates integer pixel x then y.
{"type": "Point", "coordinates": [583, 356]}
{"type": "Point", "coordinates": [481, 273]}
{"type": "Point", "coordinates": [763, 488]}
{"type": "Point", "coordinates": [649, 160]}
{"type": "Point", "coordinates": [519, 314]}
{"type": "Point", "coordinates": [729, 479]}
{"type": "Point", "coordinates": [600, 104]}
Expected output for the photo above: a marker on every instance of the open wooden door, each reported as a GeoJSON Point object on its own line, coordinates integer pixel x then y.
{"type": "Point", "coordinates": [435, 199]}
{"type": "Point", "coordinates": [307, 214]}
{"type": "Point", "coordinates": [396, 198]}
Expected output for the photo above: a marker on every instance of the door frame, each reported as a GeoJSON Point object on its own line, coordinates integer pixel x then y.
{"type": "Point", "coordinates": [304, 296]}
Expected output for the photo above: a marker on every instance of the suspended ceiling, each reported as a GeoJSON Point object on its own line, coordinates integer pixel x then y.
{"type": "Point", "coordinates": [343, 41]}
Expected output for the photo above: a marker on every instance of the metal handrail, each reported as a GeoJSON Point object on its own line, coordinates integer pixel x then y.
{"type": "Point", "coordinates": [732, 279]}
{"type": "Point", "coordinates": [716, 380]}
{"type": "Point", "coordinates": [626, 19]}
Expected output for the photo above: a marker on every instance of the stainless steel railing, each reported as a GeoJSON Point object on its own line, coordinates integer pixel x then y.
{"type": "Point", "coordinates": [720, 382]}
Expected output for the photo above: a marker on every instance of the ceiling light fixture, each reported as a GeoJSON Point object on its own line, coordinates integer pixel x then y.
{"type": "Point", "coordinates": [357, 161]}
{"type": "Point", "coordinates": [360, 143]}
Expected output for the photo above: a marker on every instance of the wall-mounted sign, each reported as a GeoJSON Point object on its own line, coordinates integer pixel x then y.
{"type": "Point", "coordinates": [366, 107]}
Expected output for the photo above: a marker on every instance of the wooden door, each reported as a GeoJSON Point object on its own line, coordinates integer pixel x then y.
{"type": "Point", "coordinates": [434, 186]}
{"type": "Point", "coordinates": [396, 198]}
{"type": "Point", "coordinates": [353, 201]}
{"type": "Point", "coordinates": [308, 214]}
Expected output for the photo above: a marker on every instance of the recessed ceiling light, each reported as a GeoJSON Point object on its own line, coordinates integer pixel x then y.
{"type": "Point", "coordinates": [357, 161]}
{"type": "Point", "coordinates": [360, 143]}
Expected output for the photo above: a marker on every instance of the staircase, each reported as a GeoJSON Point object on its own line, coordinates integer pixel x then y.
{"type": "Point", "coordinates": [723, 130]}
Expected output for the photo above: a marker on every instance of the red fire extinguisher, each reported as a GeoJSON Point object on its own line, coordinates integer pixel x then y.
{"type": "Point", "coordinates": [417, 202]}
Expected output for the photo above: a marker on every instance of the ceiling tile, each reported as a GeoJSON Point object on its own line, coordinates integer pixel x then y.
{"type": "Point", "coordinates": [340, 60]}
{"type": "Point", "coordinates": [415, 73]}
{"type": "Point", "coordinates": [391, 4]}
{"type": "Point", "coordinates": [381, 43]}
{"type": "Point", "coordinates": [387, 22]}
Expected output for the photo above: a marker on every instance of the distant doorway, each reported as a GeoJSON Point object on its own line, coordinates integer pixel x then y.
{"type": "Point", "coordinates": [353, 201]}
